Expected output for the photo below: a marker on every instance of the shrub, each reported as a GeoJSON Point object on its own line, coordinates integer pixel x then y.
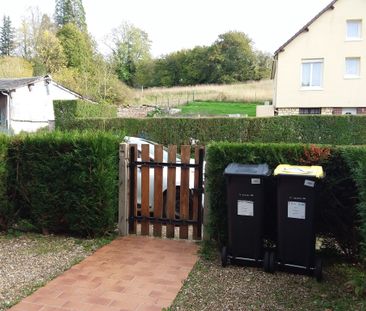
{"type": "Point", "coordinates": [66, 182]}
{"type": "Point", "coordinates": [342, 205]}
{"type": "Point", "coordinates": [333, 130]}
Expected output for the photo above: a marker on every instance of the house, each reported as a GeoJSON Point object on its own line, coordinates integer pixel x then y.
{"type": "Point", "coordinates": [27, 104]}
{"type": "Point", "coordinates": [322, 68]}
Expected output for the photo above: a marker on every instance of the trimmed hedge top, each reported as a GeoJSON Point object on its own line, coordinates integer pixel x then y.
{"type": "Point", "coordinates": [333, 130]}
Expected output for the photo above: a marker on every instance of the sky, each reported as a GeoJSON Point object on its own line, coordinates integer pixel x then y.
{"type": "Point", "coordinates": [173, 25]}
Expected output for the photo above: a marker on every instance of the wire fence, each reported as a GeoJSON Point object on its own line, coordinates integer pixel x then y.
{"type": "Point", "coordinates": [179, 99]}
{"type": "Point", "coordinates": [168, 101]}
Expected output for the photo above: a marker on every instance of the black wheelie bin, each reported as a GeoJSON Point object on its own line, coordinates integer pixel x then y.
{"type": "Point", "coordinates": [245, 203]}
{"type": "Point", "coordinates": [296, 209]}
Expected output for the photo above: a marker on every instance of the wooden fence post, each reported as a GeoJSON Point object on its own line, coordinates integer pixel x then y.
{"type": "Point", "coordinates": [124, 191]}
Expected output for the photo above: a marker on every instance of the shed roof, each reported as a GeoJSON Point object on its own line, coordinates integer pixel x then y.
{"type": "Point", "coordinates": [330, 6]}
{"type": "Point", "coordinates": [8, 85]}
{"type": "Point", "coordinates": [12, 84]}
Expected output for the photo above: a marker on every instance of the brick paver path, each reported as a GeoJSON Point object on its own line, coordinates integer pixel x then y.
{"type": "Point", "coordinates": [131, 273]}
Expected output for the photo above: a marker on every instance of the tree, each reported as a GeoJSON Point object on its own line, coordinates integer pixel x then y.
{"type": "Point", "coordinates": [100, 84]}
{"type": "Point", "coordinates": [229, 59]}
{"type": "Point", "coordinates": [130, 47]}
{"type": "Point", "coordinates": [50, 52]}
{"type": "Point", "coordinates": [263, 65]}
{"type": "Point", "coordinates": [77, 45]}
{"type": "Point", "coordinates": [70, 11]}
{"type": "Point", "coordinates": [197, 68]}
{"type": "Point", "coordinates": [145, 73]}
{"type": "Point", "coordinates": [7, 36]}
{"type": "Point", "coordinates": [24, 37]}
{"type": "Point", "coordinates": [30, 32]}
{"type": "Point", "coordinates": [233, 58]}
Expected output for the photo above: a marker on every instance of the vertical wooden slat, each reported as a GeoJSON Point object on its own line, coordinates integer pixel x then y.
{"type": "Point", "coordinates": [195, 194]}
{"type": "Point", "coordinates": [133, 189]}
{"type": "Point", "coordinates": [158, 190]}
{"type": "Point", "coordinates": [123, 197]}
{"type": "Point", "coordinates": [184, 191]}
{"type": "Point", "coordinates": [145, 191]}
{"type": "Point", "coordinates": [171, 191]}
{"type": "Point", "coordinates": [201, 158]}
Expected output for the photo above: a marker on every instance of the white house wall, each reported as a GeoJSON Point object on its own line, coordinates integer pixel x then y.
{"type": "Point", "coordinates": [32, 110]}
{"type": "Point", "coordinates": [326, 39]}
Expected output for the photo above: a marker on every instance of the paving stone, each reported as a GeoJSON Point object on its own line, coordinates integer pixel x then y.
{"type": "Point", "coordinates": [132, 273]}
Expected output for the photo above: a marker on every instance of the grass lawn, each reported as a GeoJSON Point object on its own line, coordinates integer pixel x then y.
{"type": "Point", "coordinates": [219, 108]}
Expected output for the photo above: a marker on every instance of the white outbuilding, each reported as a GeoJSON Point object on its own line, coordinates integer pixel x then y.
{"type": "Point", "coordinates": [26, 104]}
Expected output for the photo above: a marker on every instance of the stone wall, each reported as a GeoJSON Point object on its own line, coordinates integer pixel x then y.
{"type": "Point", "coordinates": [327, 111]}
{"type": "Point", "coordinates": [288, 111]}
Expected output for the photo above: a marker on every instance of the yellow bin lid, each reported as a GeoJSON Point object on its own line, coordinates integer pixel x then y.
{"type": "Point", "coordinates": [313, 171]}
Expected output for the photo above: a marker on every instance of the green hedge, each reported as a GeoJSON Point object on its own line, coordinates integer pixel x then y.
{"type": "Point", "coordinates": [342, 202]}
{"type": "Point", "coordinates": [337, 130]}
{"type": "Point", "coordinates": [356, 159]}
{"type": "Point", "coordinates": [69, 110]}
{"type": "Point", "coordinates": [5, 208]}
{"type": "Point", "coordinates": [65, 182]}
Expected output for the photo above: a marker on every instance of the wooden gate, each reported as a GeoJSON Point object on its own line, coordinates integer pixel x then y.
{"type": "Point", "coordinates": [161, 192]}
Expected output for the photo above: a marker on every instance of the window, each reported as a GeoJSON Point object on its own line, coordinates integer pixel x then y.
{"type": "Point", "coordinates": [352, 67]}
{"type": "Point", "coordinates": [346, 111]}
{"type": "Point", "coordinates": [312, 73]}
{"type": "Point", "coordinates": [310, 111]}
{"type": "Point", "coordinates": [354, 29]}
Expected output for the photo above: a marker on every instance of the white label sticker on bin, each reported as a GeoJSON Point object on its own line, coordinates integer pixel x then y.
{"type": "Point", "coordinates": [296, 209]}
{"type": "Point", "coordinates": [309, 183]}
{"type": "Point", "coordinates": [256, 181]}
{"type": "Point", "coordinates": [245, 208]}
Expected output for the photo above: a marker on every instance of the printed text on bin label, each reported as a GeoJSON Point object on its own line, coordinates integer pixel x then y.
{"type": "Point", "coordinates": [296, 210]}
{"type": "Point", "coordinates": [245, 208]}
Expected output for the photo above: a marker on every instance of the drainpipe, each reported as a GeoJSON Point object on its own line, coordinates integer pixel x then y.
{"type": "Point", "coordinates": [7, 109]}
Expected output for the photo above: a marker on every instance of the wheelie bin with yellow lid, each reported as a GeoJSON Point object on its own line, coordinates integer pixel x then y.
{"type": "Point", "coordinates": [296, 208]}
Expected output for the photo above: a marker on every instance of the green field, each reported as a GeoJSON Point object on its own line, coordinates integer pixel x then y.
{"type": "Point", "coordinates": [219, 108]}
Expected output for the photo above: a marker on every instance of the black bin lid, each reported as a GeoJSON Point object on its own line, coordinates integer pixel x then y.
{"type": "Point", "coordinates": [247, 169]}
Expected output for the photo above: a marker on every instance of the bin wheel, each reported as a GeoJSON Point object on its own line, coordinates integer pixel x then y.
{"type": "Point", "coordinates": [272, 262]}
{"type": "Point", "coordinates": [318, 272]}
{"type": "Point", "coordinates": [224, 259]}
{"type": "Point", "coordinates": [266, 261]}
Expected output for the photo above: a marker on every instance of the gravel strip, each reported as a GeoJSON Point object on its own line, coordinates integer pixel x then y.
{"type": "Point", "coordinates": [28, 261]}
{"type": "Point", "coordinates": [211, 287]}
